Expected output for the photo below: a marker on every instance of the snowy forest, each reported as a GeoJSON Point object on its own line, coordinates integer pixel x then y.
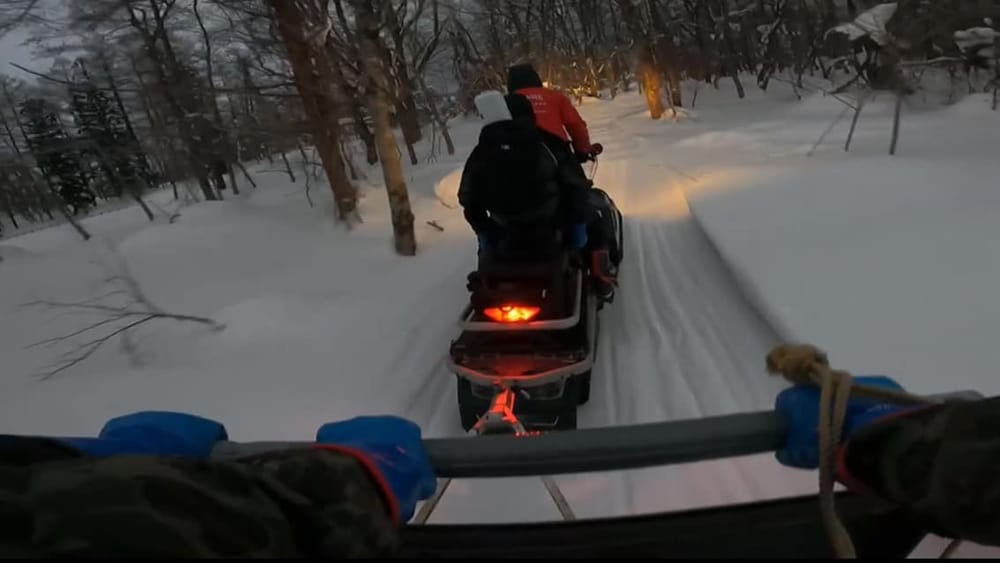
{"type": "Point", "coordinates": [260, 212]}
{"type": "Point", "coordinates": [184, 95]}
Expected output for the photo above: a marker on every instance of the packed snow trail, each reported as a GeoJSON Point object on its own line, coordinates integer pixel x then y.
{"type": "Point", "coordinates": [326, 324]}
{"type": "Point", "coordinates": [680, 341]}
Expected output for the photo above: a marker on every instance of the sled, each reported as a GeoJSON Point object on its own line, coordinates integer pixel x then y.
{"type": "Point", "coordinates": [783, 528]}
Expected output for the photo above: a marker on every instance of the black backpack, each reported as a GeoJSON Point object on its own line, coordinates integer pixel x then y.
{"type": "Point", "coordinates": [517, 173]}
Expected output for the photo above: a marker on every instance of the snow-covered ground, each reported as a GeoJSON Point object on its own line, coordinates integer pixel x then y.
{"type": "Point", "coordinates": [889, 263]}
{"type": "Point", "coordinates": [322, 323]}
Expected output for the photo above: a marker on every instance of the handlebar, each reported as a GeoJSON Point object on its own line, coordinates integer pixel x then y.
{"type": "Point", "coordinates": [595, 150]}
{"type": "Point", "coordinates": [585, 450]}
{"type": "Point", "coordinates": [594, 449]}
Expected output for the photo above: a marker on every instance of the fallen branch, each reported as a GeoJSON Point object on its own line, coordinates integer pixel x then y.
{"type": "Point", "coordinates": [245, 174]}
{"type": "Point", "coordinates": [87, 349]}
{"type": "Point", "coordinates": [895, 123]}
{"type": "Point", "coordinates": [305, 171]}
{"type": "Point", "coordinates": [136, 310]}
{"type": "Point", "coordinates": [444, 203]}
{"type": "Point", "coordinates": [845, 86]}
{"type": "Point", "coordinates": [854, 122]}
{"type": "Point", "coordinates": [931, 62]}
{"type": "Point", "coordinates": [826, 132]}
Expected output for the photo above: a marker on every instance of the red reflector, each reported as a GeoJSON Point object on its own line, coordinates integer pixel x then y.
{"type": "Point", "coordinates": [512, 313]}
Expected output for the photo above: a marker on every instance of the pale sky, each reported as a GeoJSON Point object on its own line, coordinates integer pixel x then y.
{"type": "Point", "coordinates": [11, 50]}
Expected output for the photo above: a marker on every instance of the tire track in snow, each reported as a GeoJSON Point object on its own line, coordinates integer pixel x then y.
{"type": "Point", "coordinates": [418, 371]}
{"type": "Point", "coordinates": [681, 341]}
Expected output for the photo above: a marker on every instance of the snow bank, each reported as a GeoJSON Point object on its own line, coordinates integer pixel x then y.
{"type": "Point", "coordinates": [10, 251]}
{"type": "Point", "coordinates": [976, 38]}
{"type": "Point", "coordinates": [890, 264]}
{"type": "Point", "coordinates": [321, 322]}
{"type": "Point", "coordinates": [870, 23]}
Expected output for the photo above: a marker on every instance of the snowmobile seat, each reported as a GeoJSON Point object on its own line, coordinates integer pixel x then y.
{"type": "Point", "coordinates": [527, 256]}
{"type": "Point", "coordinates": [542, 267]}
{"type": "Point", "coordinates": [525, 243]}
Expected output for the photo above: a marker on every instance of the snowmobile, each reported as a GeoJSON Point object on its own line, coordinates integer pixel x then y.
{"type": "Point", "coordinates": [529, 333]}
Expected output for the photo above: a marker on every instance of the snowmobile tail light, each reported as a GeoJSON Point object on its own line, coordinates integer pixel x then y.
{"type": "Point", "coordinates": [512, 313]}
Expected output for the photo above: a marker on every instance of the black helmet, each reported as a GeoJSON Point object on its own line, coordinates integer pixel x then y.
{"type": "Point", "coordinates": [522, 76]}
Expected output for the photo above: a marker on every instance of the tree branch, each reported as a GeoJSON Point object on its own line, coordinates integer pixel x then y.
{"type": "Point", "coordinates": [138, 309]}
{"type": "Point", "coordinates": [285, 85]}
{"type": "Point", "coordinates": [18, 19]}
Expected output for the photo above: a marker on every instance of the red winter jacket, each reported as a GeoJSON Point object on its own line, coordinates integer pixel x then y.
{"type": "Point", "coordinates": [556, 114]}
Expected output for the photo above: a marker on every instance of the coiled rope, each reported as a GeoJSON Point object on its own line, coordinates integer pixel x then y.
{"type": "Point", "coordinates": [803, 364]}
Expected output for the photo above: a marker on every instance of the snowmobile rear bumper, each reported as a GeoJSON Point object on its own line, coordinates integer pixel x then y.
{"type": "Point", "coordinates": [546, 363]}
{"type": "Point", "coordinates": [522, 371]}
{"type": "Point", "coordinates": [522, 381]}
{"type": "Point", "coordinates": [552, 324]}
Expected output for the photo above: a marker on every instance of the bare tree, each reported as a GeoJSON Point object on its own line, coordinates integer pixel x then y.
{"type": "Point", "coordinates": [316, 83]}
{"type": "Point", "coordinates": [14, 13]}
{"type": "Point", "coordinates": [650, 73]}
{"type": "Point", "coordinates": [39, 185]}
{"type": "Point", "coordinates": [212, 84]}
{"type": "Point", "coordinates": [225, 147]}
{"type": "Point", "coordinates": [378, 84]}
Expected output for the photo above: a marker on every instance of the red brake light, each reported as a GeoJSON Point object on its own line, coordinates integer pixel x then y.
{"type": "Point", "coordinates": [512, 313]}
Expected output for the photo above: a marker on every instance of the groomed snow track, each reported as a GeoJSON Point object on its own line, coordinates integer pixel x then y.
{"type": "Point", "coordinates": [681, 340]}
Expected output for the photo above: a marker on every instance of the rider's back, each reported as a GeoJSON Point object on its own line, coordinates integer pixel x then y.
{"type": "Point", "coordinates": [511, 175]}
{"type": "Point", "coordinates": [516, 172]}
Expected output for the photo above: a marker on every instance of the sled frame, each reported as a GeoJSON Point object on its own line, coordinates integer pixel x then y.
{"type": "Point", "coordinates": [500, 419]}
{"type": "Point", "coordinates": [743, 530]}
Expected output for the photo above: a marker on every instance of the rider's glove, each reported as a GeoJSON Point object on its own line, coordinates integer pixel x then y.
{"type": "Point", "coordinates": [153, 433]}
{"type": "Point", "coordinates": [392, 451]}
{"type": "Point", "coordinates": [800, 407]}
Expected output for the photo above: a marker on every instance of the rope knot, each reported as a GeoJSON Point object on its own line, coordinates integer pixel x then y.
{"type": "Point", "coordinates": [801, 364]}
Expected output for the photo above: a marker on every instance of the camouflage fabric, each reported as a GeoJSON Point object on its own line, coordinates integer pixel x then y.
{"type": "Point", "coordinates": [943, 463]}
{"type": "Point", "coordinates": [297, 503]}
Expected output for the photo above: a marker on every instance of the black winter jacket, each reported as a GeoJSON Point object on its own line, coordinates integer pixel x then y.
{"type": "Point", "coordinates": [557, 188]}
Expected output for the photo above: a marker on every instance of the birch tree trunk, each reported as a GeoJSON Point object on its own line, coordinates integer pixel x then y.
{"type": "Point", "coordinates": [378, 102]}
{"type": "Point", "coordinates": [315, 84]}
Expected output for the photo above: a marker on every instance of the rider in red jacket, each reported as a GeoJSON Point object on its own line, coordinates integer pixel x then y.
{"type": "Point", "coordinates": [565, 133]}
{"type": "Point", "coordinates": [554, 113]}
